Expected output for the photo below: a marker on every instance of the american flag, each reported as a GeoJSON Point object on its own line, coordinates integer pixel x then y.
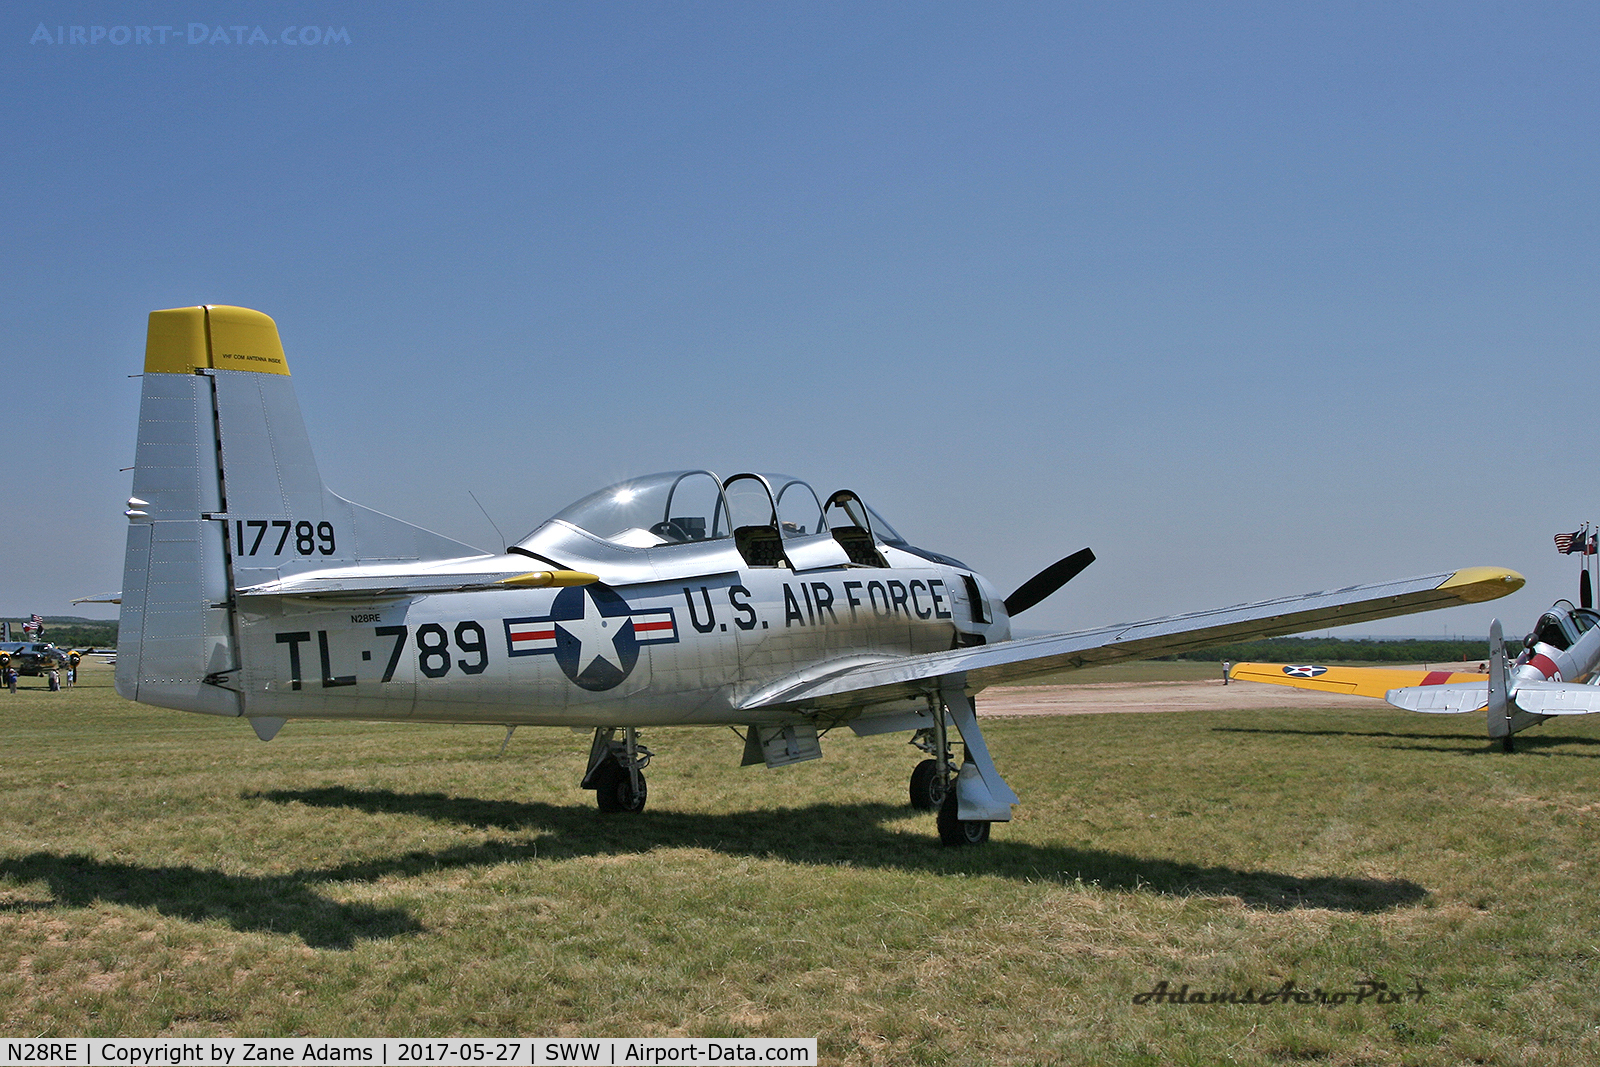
{"type": "Point", "coordinates": [34, 626]}
{"type": "Point", "coordinates": [1568, 543]}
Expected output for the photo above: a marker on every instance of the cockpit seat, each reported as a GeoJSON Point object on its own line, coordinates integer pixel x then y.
{"type": "Point", "coordinates": [760, 546]}
{"type": "Point", "coordinates": [857, 544]}
{"type": "Point", "coordinates": [1549, 631]}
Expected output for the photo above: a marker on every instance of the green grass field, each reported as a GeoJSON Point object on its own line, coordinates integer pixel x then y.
{"type": "Point", "coordinates": [168, 874]}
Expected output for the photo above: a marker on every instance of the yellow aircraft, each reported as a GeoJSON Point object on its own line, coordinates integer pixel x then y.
{"type": "Point", "coordinates": [1555, 674]}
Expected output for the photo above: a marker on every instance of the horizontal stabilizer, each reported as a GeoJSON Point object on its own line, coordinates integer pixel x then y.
{"type": "Point", "coordinates": [1558, 698]}
{"type": "Point", "coordinates": [362, 584]}
{"type": "Point", "coordinates": [1441, 699]}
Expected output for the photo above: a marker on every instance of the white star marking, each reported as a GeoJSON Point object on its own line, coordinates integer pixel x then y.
{"type": "Point", "coordinates": [594, 634]}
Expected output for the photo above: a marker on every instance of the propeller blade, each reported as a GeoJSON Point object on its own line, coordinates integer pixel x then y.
{"type": "Point", "coordinates": [1585, 591]}
{"type": "Point", "coordinates": [1047, 581]}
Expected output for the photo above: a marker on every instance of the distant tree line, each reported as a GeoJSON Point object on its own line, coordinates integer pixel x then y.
{"type": "Point", "coordinates": [1332, 649]}
{"type": "Point", "coordinates": [72, 632]}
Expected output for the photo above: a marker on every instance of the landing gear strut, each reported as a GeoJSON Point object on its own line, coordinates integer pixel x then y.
{"type": "Point", "coordinates": [616, 770]}
{"type": "Point", "coordinates": [936, 784]}
{"type": "Point", "coordinates": [930, 780]}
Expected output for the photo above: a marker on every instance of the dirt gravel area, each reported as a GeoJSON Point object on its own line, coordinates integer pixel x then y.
{"type": "Point", "coordinates": [1096, 697]}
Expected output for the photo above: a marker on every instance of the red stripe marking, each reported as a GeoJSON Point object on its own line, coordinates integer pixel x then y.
{"type": "Point", "coordinates": [533, 635]}
{"type": "Point", "coordinates": [1546, 665]}
{"type": "Point", "coordinates": [1436, 678]}
{"type": "Point", "coordinates": [664, 624]}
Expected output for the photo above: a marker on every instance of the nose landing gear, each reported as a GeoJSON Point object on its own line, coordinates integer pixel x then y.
{"type": "Point", "coordinates": [616, 770]}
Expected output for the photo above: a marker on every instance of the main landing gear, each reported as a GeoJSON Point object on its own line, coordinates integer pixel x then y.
{"type": "Point", "coordinates": [616, 770]}
{"type": "Point", "coordinates": [928, 786]}
{"type": "Point", "coordinates": [955, 831]}
{"type": "Point", "coordinates": [937, 784]}
{"type": "Point", "coordinates": [933, 788]}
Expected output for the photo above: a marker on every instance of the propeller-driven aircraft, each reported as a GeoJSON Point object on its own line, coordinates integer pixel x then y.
{"type": "Point", "coordinates": [685, 598]}
{"type": "Point", "coordinates": [1554, 674]}
{"type": "Point", "coordinates": [35, 657]}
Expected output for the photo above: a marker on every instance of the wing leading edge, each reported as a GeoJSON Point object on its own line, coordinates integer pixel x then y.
{"type": "Point", "coordinates": [861, 685]}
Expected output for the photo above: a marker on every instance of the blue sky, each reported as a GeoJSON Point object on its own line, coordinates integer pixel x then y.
{"type": "Point", "coordinates": [1253, 299]}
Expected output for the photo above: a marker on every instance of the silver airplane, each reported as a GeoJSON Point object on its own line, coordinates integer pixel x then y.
{"type": "Point", "coordinates": [1552, 675]}
{"type": "Point", "coordinates": [251, 590]}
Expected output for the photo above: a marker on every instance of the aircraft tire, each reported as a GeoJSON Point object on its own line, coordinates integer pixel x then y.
{"type": "Point", "coordinates": [927, 789]}
{"type": "Point", "coordinates": [956, 832]}
{"type": "Point", "coordinates": [614, 792]}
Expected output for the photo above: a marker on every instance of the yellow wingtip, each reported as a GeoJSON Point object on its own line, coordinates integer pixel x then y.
{"type": "Point", "coordinates": [1474, 585]}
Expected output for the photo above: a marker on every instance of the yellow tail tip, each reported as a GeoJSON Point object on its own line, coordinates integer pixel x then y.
{"type": "Point", "coordinates": [212, 337]}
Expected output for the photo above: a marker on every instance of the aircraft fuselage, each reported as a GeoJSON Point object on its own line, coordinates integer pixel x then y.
{"type": "Point", "coordinates": [689, 651]}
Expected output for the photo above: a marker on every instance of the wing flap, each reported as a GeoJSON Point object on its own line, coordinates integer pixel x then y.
{"type": "Point", "coordinates": [1016, 661]}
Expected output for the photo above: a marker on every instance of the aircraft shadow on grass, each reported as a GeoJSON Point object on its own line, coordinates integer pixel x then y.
{"type": "Point", "coordinates": [825, 835]}
{"type": "Point", "coordinates": [280, 903]}
{"type": "Point", "coordinates": [820, 834]}
{"type": "Point", "coordinates": [1530, 743]}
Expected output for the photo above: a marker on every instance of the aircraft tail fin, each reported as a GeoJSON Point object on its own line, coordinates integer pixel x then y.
{"type": "Point", "coordinates": [1499, 684]}
{"type": "Point", "coordinates": [226, 494]}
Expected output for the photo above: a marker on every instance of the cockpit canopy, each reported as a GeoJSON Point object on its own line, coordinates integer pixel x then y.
{"type": "Point", "coordinates": [677, 507]}
{"type": "Point", "coordinates": [1562, 625]}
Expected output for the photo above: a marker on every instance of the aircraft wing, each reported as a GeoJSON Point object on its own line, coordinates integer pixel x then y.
{"type": "Point", "coordinates": [859, 684]}
{"type": "Point", "coordinates": [1442, 699]}
{"type": "Point", "coordinates": [1558, 698]}
{"type": "Point", "coordinates": [1372, 682]}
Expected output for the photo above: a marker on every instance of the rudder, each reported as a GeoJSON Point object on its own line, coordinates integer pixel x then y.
{"type": "Point", "coordinates": [226, 494]}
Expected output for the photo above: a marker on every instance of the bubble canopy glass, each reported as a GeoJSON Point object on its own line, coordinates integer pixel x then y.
{"type": "Point", "coordinates": [676, 507]}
